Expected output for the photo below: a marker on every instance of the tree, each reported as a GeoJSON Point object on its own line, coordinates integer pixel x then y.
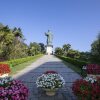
{"type": "Point", "coordinates": [42, 46]}
{"type": "Point", "coordinates": [6, 35]}
{"type": "Point", "coordinates": [17, 32]}
{"type": "Point", "coordinates": [58, 51]}
{"type": "Point", "coordinates": [11, 44]}
{"type": "Point", "coordinates": [34, 49]}
{"type": "Point", "coordinates": [73, 54]}
{"type": "Point", "coordinates": [17, 51]}
{"type": "Point", "coordinates": [6, 39]}
{"type": "Point", "coordinates": [95, 50]}
{"type": "Point", "coordinates": [85, 56]}
{"type": "Point", "coordinates": [66, 48]}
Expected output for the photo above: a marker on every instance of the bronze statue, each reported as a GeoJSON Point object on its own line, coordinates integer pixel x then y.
{"type": "Point", "coordinates": [49, 37]}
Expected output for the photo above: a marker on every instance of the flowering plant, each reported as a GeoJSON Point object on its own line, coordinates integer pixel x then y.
{"type": "Point", "coordinates": [87, 89]}
{"type": "Point", "coordinates": [90, 79]}
{"type": "Point", "coordinates": [52, 72]}
{"type": "Point", "coordinates": [12, 89]}
{"type": "Point", "coordinates": [50, 80]}
{"type": "Point", "coordinates": [93, 69]}
{"type": "Point", "coordinates": [4, 68]}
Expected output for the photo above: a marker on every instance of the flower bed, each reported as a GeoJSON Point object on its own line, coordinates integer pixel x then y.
{"type": "Point", "coordinates": [4, 69]}
{"type": "Point", "coordinates": [87, 89]}
{"type": "Point", "coordinates": [12, 89]}
{"type": "Point", "coordinates": [93, 69]}
{"type": "Point", "coordinates": [50, 80]}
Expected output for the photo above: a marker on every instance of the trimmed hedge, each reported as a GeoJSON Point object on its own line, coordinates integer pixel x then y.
{"type": "Point", "coordinates": [15, 62]}
{"type": "Point", "coordinates": [75, 62]}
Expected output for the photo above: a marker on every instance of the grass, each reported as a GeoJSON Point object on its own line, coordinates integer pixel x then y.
{"type": "Point", "coordinates": [77, 68]}
{"type": "Point", "coordinates": [74, 68]}
{"type": "Point", "coordinates": [17, 68]}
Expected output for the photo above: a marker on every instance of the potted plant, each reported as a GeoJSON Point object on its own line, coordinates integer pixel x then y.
{"type": "Point", "coordinates": [4, 70]}
{"type": "Point", "coordinates": [11, 89]}
{"type": "Point", "coordinates": [50, 81]}
{"type": "Point", "coordinates": [87, 89]}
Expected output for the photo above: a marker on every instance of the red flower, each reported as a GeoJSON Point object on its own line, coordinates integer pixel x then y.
{"type": "Point", "coordinates": [4, 68]}
{"type": "Point", "coordinates": [50, 72]}
{"type": "Point", "coordinates": [93, 69]}
{"type": "Point", "coordinates": [87, 91]}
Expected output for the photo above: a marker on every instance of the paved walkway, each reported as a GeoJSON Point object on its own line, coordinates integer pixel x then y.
{"type": "Point", "coordinates": [48, 62]}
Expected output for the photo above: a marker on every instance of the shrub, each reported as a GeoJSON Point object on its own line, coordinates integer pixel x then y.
{"type": "Point", "coordinates": [15, 62]}
{"type": "Point", "coordinates": [75, 62]}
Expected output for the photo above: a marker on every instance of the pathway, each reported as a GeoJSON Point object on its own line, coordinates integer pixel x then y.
{"type": "Point", "coordinates": [48, 62]}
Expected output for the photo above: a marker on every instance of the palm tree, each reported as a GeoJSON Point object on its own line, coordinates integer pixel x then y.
{"type": "Point", "coordinates": [66, 48]}
{"type": "Point", "coordinates": [17, 32]}
{"type": "Point", "coordinates": [58, 51]}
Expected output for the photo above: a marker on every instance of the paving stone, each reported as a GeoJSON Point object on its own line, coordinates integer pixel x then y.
{"type": "Point", "coordinates": [48, 62]}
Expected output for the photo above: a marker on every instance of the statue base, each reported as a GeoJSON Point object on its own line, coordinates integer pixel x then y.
{"type": "Point", "coordinates": [49, 49]}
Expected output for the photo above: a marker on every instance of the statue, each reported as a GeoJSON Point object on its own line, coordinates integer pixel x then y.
{"type": "Point", "coordinates": [49, 37]}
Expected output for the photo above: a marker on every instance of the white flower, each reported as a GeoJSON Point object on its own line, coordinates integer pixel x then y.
{"type": "Point", "coordinates": [84, 67]}
{"type": "Point", "coordinates": [5, 80]}
{"type": "Point", "coordinates": [50, 81]}
{"type": "Point", "coordinates": [90, 79]}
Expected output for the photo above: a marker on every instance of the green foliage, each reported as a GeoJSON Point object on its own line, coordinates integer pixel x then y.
{"type": "Point", "coordinates": [6, 39]}
{"type": "Point", "coordinates": [85, 56]}
{"type": "Point", "coordinates": [58, 51]}
{"type": "Point", "coordinates": [12, 44]}
{"type": "Point", "coordinates": [21, 66]}
{"type": "Point", "coordinates": [17, 32]}
{"type": "Point", "coordinates": [66, 48]}
{"type": "Point", "coordinates": [73, 54]}
{"type": "Point", "coordinates": [34, 49]}
{"type": "Point", "coordinates": [17, 51]}
{"type": "Point", "coordinates": [42, 47]}
{"type": "Point", "coordinates": [15, 62]}
{"type": "Point", "coordinates": [75, 62]}
{"type": "Point", "coordinates": [95, 50]}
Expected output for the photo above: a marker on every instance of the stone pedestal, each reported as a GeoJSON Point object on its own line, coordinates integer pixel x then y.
{"type": "Point", "coordinates": [49, 49]}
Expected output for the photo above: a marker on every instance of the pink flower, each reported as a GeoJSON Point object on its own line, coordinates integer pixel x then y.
{"type": "Point", "coordinates": [15, 90]}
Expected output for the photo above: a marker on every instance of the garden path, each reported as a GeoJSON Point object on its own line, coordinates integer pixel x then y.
{"type": "Point", "coordinates": [48, 62]}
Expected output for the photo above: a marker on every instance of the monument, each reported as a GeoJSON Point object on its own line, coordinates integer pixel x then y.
{"type": "Point", "coordinates": [49, 46]}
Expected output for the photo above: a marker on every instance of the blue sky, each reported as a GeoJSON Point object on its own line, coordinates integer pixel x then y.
{"type": "Point", "coordinates": [71, 21]}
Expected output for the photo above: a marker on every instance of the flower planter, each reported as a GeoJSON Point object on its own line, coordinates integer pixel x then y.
{"type": "Point", "coordinates": [50, 81]}
{"type": "Point", "coordinates": [50, 92]}
{"type": "Point", "coordinates": [4, 75]}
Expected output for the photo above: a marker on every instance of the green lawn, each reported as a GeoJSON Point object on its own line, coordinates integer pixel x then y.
{"type": "Point", "coordinates": [74, 65]}
{"type": "Point", "coordinates": [19, 67]}
{"type": "Point", "coordinates": [74, 68]}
